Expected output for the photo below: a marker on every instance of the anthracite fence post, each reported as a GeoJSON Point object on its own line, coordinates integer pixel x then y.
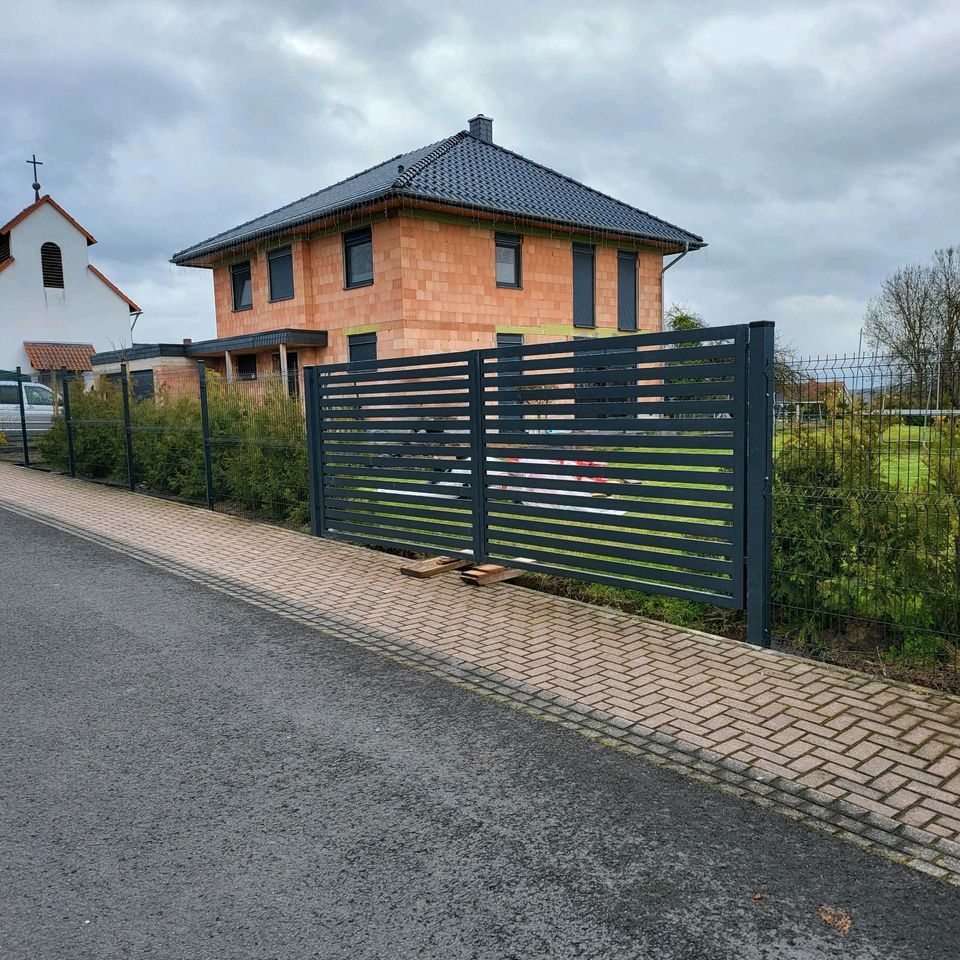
{"type": "Point", "coordinates": [314, 417]}
{"type": "Point", "coordinates": [23, 420]}
{"type": "Point", "coordinates": [205, 434]}
{"type": "Point", "coordinates": [759, 482]}
{"type": "Point", "coordinates": [128, 434]}
{"type": "Point", "coordinates": [68, 420]}
{"type": "Point", "coordinates": [478, 463]}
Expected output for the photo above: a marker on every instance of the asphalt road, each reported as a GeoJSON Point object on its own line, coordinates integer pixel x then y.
{"type": "Point", "coordinates": [183, 775]}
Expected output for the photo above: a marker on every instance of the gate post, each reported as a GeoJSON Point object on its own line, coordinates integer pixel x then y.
{"type": "Point", "coordinates": [23, 419]}
{"type": "Point", "coordinates": [478, 461]}
{"type": "Point", "coordinates": [759, 482]}
{"type": "Point", "coordinates": [205, 433]}
{"type": "Point", "coordinates": [314, 418]}
{"type": "Point", "coordinates": [127, 432]}
{"type": "Point", "coordinates": [68, 420]}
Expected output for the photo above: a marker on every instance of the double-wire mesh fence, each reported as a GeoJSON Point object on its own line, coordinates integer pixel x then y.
{"type": "Point", "coordinates": [235, 446]}
{"type": "Point", "coordinates": [867, 512]}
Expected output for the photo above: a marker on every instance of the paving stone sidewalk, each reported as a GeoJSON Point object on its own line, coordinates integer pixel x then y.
{"type": "Point", "coordinates": [876, 763]}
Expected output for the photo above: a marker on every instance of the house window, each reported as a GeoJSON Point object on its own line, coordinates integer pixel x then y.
{"type": "Point", "coordinates": [52, 262]}
{"type": "Point", "coordinates": [242, 286]}
{"type": "Point", "coordinates": [508, 259]}
{"type": "Point", "coordinates": [583, 308]}
{"type": "Point", "coordinates": [4, 247]}
{"type": "Point", "coordinates": [363, 346]}
{"type": "Point", "coordinates": [141, 381]}
{"type": "Point", "coordinates": [358, 258]}
{"type": "Point", "coordinates": [280, 263]}
{"type": "Point", "coordinates": [246, 366]}
{"type": "Point", "coordinates": [626, 290]}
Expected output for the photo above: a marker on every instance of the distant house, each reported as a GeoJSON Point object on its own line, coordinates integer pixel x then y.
{"type": "Point", "coordinates": [56, 308]}
{"type": "Point", "coordinates": [455, 245]}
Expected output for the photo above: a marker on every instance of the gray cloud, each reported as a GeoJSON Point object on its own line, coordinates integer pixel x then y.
{"type": "Point", "coordinates": [815, 145]}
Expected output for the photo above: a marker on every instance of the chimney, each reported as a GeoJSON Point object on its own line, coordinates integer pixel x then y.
{"type": "Point", "coordinates": [481, 127]}
{"type": "Point", "coordinates": [187, 341]}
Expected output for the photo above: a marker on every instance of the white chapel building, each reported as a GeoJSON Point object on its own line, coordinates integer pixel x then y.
{"type": "Point", "coordinates": [56, 308]}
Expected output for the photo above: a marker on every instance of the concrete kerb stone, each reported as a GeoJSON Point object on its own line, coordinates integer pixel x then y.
{"type": "Point", "coordinates": [901, 843]}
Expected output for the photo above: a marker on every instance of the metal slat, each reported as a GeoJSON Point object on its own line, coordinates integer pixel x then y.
{"type": "Point", "coordinates": [356, 508]}
{"type": "Point", "coordinates": [618, 456]}
{"type": "Point", "coordinates": [711, 477]}
{"type": "Point", "coordinates": [587, 504]}
{"type": "Point", "coordinates": [615, 407]}
{"type": "Point", "coordinates": [560, 439]}
{"type": "Point", "coordinates": [639, 492]}
{"type": "Point", "coordinates": [375, 475]}
{"type": "Point", "coordinates": [363, 391]}
{"type": "Point", "coordinates": [416, 400]}
{"type": "Point", "coordinates": [395, 414]}
{"type": "Point", "coordinates": [344, 497]}
{"type": "Point", "coordinates": [361, 367]}
{"type": "Point", "coordinates": [386, 436]}
{"type": "Point", "coordinates": [381, 539]}
{"type": "Point", "coordinates": [592, 576]}
{"type": "Point", "coordinates": [626, 570]}
{"type": "Point", "coordinates": [658, 424]}
{"type": "Point", "coordinates": [720, 534]}
{"type": "Point", "coordinates": [649, 377]}
{"type": "Point", "coordinates": [331, 424]}
{"type": "Point", "coordinates": [379, 461]}
{"type": "Point", "coordinates": [608, 549]}
{"type": "Point", "coordinates": [637, 343]}
{"type": "Point", "coordinates": [377, 522]}
{"type": "Point", "coordinates": [398, 449]}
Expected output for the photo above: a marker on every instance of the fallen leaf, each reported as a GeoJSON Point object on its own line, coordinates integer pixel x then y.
{"type": "Point", "coordinates": [837, 917]}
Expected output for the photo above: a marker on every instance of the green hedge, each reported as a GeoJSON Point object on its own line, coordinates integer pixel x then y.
{"type": "Point", "coordinates": [258, 449]}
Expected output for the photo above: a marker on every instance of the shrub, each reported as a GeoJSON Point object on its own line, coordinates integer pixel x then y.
{"type": "Point", "coordinates": [258, 447]}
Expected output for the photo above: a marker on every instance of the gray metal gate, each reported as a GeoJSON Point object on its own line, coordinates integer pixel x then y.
{"type": "Point", "coordinates": [639, 461]}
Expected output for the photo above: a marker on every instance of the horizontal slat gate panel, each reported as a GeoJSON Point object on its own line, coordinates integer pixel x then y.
{"type": "Point", "coordinates": [615, 442]}
{"type": "Point", "coordinates": [617, 460]}
{"type": "Point", "coordinates": [395, 446]}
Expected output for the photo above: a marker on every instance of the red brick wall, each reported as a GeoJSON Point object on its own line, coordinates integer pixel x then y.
{"type": "Point", "coordinates": [434, 289]}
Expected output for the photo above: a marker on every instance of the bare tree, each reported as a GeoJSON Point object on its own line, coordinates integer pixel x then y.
{"type": "Point", "coordinates": [916, 318]}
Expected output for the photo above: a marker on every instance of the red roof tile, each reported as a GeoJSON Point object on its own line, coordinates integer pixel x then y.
{"type": "Point", "coordinates": [56, 356]}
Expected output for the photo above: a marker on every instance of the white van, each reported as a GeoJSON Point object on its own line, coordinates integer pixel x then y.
{"type": "Point", "coordinates": [39, 405]}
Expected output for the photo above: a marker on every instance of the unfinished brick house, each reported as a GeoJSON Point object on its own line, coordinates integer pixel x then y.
{"type": "Point", "coordinates": [459, 244]}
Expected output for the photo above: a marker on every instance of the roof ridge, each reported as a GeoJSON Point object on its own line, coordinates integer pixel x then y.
{"type": "Point", "coordinates": [415, 169]}
{"type": "Point", "coordinates": [593, 190]}
{"type": "Point", "coordinates": [293, 203]}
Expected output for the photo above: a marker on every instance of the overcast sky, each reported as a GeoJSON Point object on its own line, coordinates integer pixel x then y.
{"type": "Point", "coordinates": [816, 146]}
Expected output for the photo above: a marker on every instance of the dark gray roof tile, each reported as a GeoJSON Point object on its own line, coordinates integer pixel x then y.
{"type": "Point", "coordinates": [465, 172]}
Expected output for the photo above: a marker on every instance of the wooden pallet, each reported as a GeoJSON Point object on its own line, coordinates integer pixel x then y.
{"type": "Point", "coordinates": [486, 573]}
{"type": "Point", "coordinates": [423, 569]}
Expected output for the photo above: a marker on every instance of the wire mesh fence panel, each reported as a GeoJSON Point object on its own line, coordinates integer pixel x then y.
{"type": "Point", "coordinates": [620, 462]}
{"type": "Point", "coordinates": [866, 533]}
{"type": "Point", "coordinates": [166, 438]}
{"type": "Point", "coordinates": [258, 448]}
{"type": "Point", "coordinates": [395, 437]}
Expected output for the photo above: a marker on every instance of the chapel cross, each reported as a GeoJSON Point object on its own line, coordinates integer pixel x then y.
{"type": "Point", "coordinates": [36, 183]}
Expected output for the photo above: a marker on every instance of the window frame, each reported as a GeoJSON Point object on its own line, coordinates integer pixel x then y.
{"type": "Point", "coordinates": [52, 268]}
{"type": "Point", "coordinates": [362, 340]}
{"type": "Point", "coordinates": [234, 269]}
{"type": "Point", "coordinates": [280, 253]}
{"type": "Point", "coordinates": [625, 257]}
{"type": "Point", "coordinates": [510, 241]}
{"type": "Point", "coordinates": [356, 238]}
{"type": "Point", "coordinates": [585, 249]}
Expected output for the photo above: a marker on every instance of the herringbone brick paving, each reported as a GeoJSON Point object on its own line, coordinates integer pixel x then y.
{"type": "Point", "coordinates": [884, 747]}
